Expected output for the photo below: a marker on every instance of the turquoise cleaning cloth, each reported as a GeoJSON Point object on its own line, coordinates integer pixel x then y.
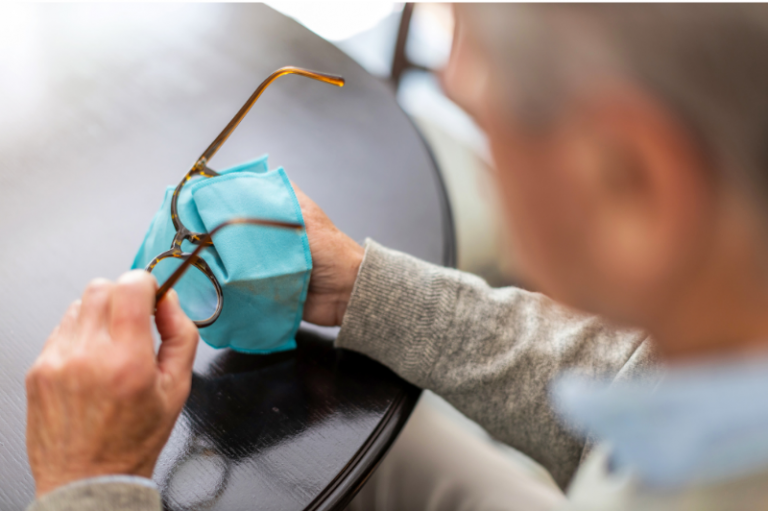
{"type": "Point", "coordinates": [263, 271]}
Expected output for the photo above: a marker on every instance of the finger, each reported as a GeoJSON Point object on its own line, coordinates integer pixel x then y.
{"type": "Point", "coordinates": [314, 216]}
{"type": "Point", "coordinates": [179, 341]}
{"type": "Point", "coordinates": [94, 309]}
{"type": "Point", "coordinates": [305, 203]}
{"type": "Point", "coordinates": [133, 302]}
{"type": "Point", "coordinates": [65, 330]}
{"type": "Point", "coordinates": [69, 320]}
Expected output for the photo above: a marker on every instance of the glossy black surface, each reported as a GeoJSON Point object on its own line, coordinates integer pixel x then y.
{"type": "Point", "coordinates": [277, 431]}
{"type": "Point", "coordinates": [102, 108]}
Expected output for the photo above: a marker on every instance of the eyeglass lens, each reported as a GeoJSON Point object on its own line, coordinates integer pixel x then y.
{"type": "Point", "coordinates": [197, 294]}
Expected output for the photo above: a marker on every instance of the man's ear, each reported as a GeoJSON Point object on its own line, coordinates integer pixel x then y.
{"type": "Point", "coordinates": [648, 185]}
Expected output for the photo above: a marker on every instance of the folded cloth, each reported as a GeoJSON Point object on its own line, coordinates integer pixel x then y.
{"type": "Point", "coordinates": [263, 271]}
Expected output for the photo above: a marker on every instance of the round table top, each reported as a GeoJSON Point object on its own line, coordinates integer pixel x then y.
{"type": "Point", "coordinates": [105, 107]}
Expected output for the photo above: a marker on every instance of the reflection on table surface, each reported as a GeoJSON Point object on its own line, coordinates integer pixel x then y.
{"type": "Point", "coordinates": [277, 428]}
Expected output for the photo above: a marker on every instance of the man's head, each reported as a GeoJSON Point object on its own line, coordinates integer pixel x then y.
{"type": "Point", "coordinates": [631, 144]}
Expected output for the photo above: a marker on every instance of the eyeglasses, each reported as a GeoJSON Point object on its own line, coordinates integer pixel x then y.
{"type": "Point", "coordinates": [201, 285]}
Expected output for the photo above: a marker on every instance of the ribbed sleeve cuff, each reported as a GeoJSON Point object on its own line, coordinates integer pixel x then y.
{"type": "Point", "coordinates": [399, 312]}
{"type": "Point", "coordinates": [93, 495]}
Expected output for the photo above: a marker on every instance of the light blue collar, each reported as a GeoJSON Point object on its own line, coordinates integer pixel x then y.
{"type": "Point", "coordinates": [697, 424]}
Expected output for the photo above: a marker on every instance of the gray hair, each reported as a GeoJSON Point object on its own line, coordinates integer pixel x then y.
{"type": "Point", "coordinates": [708, 63]}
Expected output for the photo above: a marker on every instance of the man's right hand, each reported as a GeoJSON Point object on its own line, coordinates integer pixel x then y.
{"type": "Point", "coordinates": [336, 259]}
{"type": "Point", "coordinates": [99, 401]}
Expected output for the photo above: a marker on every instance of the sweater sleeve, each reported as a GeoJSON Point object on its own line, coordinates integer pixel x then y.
{"type": "Point", "coordinates": [492, 353]}
{"type": "Point", "coordinates": [101, 495]}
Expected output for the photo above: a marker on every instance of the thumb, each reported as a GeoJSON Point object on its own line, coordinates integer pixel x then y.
{"type": "Point", "coordinates": [179, 342]}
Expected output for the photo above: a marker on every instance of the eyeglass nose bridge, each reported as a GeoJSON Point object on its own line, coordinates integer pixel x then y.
{"type": "Point", "coordinates": [182, 233]}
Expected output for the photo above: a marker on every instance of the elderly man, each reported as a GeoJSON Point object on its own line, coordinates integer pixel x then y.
{"type": "Point", "coordinates": [631, 158]}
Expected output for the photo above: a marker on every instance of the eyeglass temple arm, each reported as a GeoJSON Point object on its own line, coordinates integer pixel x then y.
{"type": "Point", "coordinates": [177, 274]}
{"type": "Point", "coordinates": [289, 70]}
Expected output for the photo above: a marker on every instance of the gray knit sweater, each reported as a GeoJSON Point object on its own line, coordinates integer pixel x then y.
{"type": "Point", "coordinates": [492, 353]}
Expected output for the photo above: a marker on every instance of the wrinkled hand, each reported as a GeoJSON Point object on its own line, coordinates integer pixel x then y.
{"type": "Point", "coordinates": [99, 400]}
{"type": "Point", "coordinates": [336, 259]}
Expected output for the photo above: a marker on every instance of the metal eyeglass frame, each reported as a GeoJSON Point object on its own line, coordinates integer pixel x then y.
{"type": "Point", "coordinates": [201, 169]}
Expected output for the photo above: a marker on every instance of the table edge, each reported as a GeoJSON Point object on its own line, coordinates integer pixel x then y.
{"type": "Point", "coordinates": [343, 488]}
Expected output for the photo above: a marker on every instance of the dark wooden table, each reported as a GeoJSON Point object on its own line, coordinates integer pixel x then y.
{"type": "Point", "coordinates": [104, 106]}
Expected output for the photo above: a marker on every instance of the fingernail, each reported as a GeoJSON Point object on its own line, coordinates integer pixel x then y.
{"type": "Point", "coordinates": [173, 295]}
